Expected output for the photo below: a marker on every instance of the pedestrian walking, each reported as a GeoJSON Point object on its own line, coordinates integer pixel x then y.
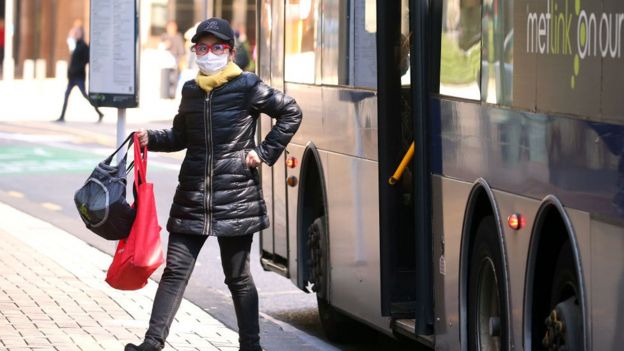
{"type": "Point", "coordinates": [76, 73]}
{"type": "Point", "coordinates": [219, 192]}
{"type": "Point", "coordinates": [173, 42]}
{"type": "Point", "coordinates": [243, 53]}
{"type": "Point", "coordinates": [1, 44]}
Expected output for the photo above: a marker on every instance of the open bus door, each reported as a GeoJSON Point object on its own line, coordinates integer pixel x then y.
{"type": "Point", "coordinates": [405, 218]}
{"type": "Point", "coordinates": [274, 240]}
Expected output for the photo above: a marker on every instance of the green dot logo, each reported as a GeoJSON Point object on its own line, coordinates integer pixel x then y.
{"type": "Point", "coordinates": [583, 39]}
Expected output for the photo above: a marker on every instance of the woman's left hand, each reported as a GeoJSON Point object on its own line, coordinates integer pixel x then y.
{"type": "Point", "coordinates": [253, 160]}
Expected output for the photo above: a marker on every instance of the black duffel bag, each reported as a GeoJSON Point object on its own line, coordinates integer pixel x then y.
{"type": "Point", "coordinates": [101, 201]}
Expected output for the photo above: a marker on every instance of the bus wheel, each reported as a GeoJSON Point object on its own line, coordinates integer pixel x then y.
{"type": "Point", "coordinates": [487, 321]}
{"type": "Point", "coordinates": [335, 324]}
{"type": "Point", "coordinates": [564, 324]}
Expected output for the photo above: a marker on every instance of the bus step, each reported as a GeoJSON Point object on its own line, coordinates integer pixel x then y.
{"type": "Point", "coordinates": [407, 327]}
{"type": "Point", "coordinates": [275, 267]}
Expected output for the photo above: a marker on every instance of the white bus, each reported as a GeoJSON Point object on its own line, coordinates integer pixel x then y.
{"type": "Point", "coordinates": [506, 229]}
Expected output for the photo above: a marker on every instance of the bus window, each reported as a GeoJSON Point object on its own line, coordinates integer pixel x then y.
{"type": "Point", "coordinates": [404, 56]}
{"type": "Point", "coordinates": [460, 55]}
{"type": "Point", "coordinates": [264, 41]}
{"type": "Point", "coordinates": [301, 35]}
{"type": "Point", "coordinates": [497, 53]}
{"type": "Point", "coordinates": [335, 42]}
{"type": "Point", "coordinates": [363, 66]}
{"type": "Point", "coordinates": [407, 135]}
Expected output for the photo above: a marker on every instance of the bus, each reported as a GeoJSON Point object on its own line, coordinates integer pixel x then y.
{"type": "Point", "coordinates": [505, 229]}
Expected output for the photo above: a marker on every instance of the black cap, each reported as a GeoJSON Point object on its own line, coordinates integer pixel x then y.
{"type": "Point", "coordinates": [218, 27]}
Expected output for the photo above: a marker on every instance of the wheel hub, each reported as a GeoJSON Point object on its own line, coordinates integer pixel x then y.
{"type": "Point", "coordinates": [563, 327]}
{"type": "Point", "coordinates": [489, 322]}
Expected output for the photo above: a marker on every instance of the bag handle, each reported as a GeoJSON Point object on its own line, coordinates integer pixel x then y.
{"type": "Point", "coordinates": [140, 162]}
{"type": "Point", "coordinates": [129, 139]}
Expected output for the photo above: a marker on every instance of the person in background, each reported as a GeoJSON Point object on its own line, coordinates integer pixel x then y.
{"type": "Point", "coordinates": [243, 54]}
{"type": "Point", "coordinates": [1, 43]}
{"type": "Point", "coordinates": [76, 72]}
{"type": "Point", "coordinates": [189, 55]}
{"type": "Point", "coordinates": [219, 192]}
{"type": "Point", "coordinates": [189, 69]}
{"type": "Point", "coordinates": [173, 42]}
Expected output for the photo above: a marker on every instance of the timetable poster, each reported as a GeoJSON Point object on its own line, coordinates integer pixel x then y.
{"type": "Point", "coordinates": [113, 53]}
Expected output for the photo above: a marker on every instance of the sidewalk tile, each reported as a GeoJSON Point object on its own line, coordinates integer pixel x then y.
{"type": "Point", "coordinates": [53, 297]}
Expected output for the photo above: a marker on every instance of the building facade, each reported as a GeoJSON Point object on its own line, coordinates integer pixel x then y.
{"type": "Point", "coordinates": [40, 27]}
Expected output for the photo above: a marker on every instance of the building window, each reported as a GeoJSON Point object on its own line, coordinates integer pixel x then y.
{"type": "Point", "coordinates": [158, 18]}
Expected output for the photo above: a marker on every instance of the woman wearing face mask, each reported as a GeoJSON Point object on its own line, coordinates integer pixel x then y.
{"type": "Point", "coordinates": [219, 192]}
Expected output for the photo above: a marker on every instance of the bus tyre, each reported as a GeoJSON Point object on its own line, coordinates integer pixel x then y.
{"type": "Point", "coordinates": [564, 324]}
{"type": "Point", "coordinates": [335, 324]}
{"type": "Point", "coordinates": [487, 311]}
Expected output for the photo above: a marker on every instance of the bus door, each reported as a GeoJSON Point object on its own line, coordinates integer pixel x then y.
{"type": "Point", "coordinates": [405, 235]}
{"type": "Point", "coordinates": [274, 240]}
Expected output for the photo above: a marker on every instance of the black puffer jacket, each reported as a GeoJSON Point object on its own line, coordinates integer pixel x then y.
{"type": "Point", "coordinates": [217, 193]}
{"type": "Point", "coordinates": [78, 61]}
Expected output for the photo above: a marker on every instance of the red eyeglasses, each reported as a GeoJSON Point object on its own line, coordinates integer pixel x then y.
{"type": "Point", "coordinates": [202, 49]}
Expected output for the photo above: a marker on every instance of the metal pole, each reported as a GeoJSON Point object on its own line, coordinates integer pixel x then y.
{"type": "Point", "coordinates": [121, 131]}
{"type": "Point", "coordinates": [8, 65]}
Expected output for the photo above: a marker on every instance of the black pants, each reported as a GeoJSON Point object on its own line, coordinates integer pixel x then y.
{"type": "Point", "coordinates": [80, 83]}
{"type": "Point", "coordinates": [181, 256]}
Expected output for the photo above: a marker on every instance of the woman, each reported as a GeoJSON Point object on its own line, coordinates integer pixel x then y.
{"type": "Point", "coordinates": [219, 191]}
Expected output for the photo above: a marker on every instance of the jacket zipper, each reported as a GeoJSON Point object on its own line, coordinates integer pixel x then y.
{"type": "Point", "coordinates": [210, 163]}
{"type": "Point", "coordinates": [206, 102]}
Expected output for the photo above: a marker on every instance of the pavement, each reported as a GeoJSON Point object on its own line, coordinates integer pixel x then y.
{"type": "Point", "coordinates": [53, 297]}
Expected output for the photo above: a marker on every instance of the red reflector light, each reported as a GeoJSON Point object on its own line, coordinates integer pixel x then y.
{"type": "Point", "coordinates": [292, 181]}
{"type": "Point", "coordinates": [291, 162]}
{"type": "Point", "coordinates": [516, 221]}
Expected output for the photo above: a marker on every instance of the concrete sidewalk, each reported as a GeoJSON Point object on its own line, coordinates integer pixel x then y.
{"type": "Point", "coordinates": [53, 297]}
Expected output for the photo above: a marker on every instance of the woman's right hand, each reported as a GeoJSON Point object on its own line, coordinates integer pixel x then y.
{"type": "Point", "coordinates": [143, 137]}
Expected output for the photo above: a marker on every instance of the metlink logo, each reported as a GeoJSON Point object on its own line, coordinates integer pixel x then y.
{"type": "Point", "coordinates": [597, 34]}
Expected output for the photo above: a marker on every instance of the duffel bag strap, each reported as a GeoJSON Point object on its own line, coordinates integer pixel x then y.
{"type": "Point", "coordinates": [129, 140]}
{"type": "Point", "coordinates": [122, 163]}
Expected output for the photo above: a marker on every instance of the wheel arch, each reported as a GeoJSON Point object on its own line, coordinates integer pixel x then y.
{"type": "Point", "coordinates": [481, 203]}
{"type": "Point", "coordinates": [311, 203]}
{"type": "Point", "coordinates": [551, 215]}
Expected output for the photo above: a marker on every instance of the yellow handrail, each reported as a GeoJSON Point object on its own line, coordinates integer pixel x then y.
{"type": "Point", "coordinates": [399, 171]}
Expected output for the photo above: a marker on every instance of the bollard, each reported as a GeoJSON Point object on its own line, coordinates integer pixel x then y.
{"type": "Point", "coordinates": [60, 71]}
{"type": "Point", "coordinates": [29, 69]}
{"type": "Point", "coordinates": [40, 69]}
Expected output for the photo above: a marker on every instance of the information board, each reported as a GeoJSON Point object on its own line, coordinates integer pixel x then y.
{"type": "Point", "coordinates": [113, 56]}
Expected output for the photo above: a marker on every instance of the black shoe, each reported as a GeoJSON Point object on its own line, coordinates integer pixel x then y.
{"type": "Point", "coordinates": [60, 120]}
{"type": "Point", "coordinates": [100, 116]}
{"type": "Point", "coordinates": [143, 347]}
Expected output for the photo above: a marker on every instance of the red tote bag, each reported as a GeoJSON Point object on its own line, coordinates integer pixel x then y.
{"type": "Point", "coordinates": [141, 253]}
